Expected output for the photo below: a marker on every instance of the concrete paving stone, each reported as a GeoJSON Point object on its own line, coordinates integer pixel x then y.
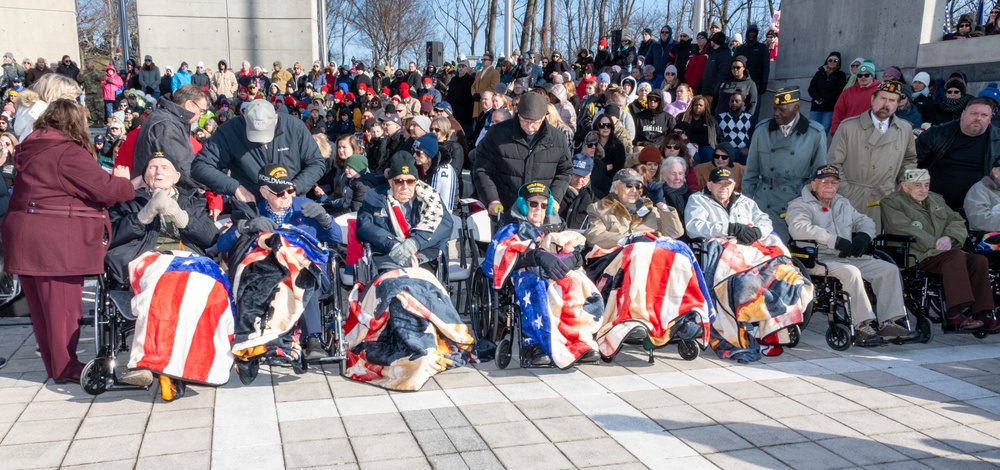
{"type": "Point", "coordinates": [828, 402]}
{"type": "Point", "coordinates": [729, 412]}
{"type": "Point", "coordinates": [991, 456]}
{"type": "Point", "coordinates": [716, 376]}
{"type": "Point", "coordinates": [312, 430]}
{"type": "Point", "coordinates": [877, 378]}
{"type": "Point", "coordinates": [197, 396]}
{"type": "Point", "coordinates": [299, 410]}
{"type": "Point", "coordinates": [965, 439]}
{"type": "Point", "coordinates": [711, 439]}
{"type": "Point", "coordinates": [344, 388]}
{"type": "Point", "coordinates": [466, 439]}
{"type": "Point", "coordinates": [695, 462]}
{"type": "Point", "coordinates": [180, 419]}
{"type": "Point", "coordinates": [123, 465]}
{"type": "Point", "coordinates": [806, 456]}
{"type": "Point", "coordinates": [958, 370]}
{"type": "Point", "coordinates": [595, 452]}
{"type": "Point", "coordinates": [816, 427]}
{"type": "Point", "coordinates": [313, 454]}
{"type": "Point", "coordinates": [491, 413]}
{"type": "Point", "coordinates": [915, 445]}
{"type": "Point", "coordinates": [53, 392]}
{"type": "Point", "coordinates": [434, 442]}
{"type": "Point", "coordinates": [375, 424]}
{"type": "Point", "coordinates": [745, 459]}
{"type": "Point", "coordinates": [122, 406]}
{"type": "Point", "coordinates": [906, 465]}
{"type": "Point", "coordinates": [600, 369]}
{"type": "Point", "coordinates": [169, 442]}
{"type": "Point", "coordinates": [990, 366]}
{"type": "Point", "coordinates": [509, 376]}
{"type": "Point", "coordinates": [102, 449]}
{"type": "Point", "coordinates": [917, 418]}
{"type": "Point", "coordinates": [27, 432]}
{"type": "Point", "coordinates": [286, 376]}
{"type": "Point", "coordinates": [868, 422]}
{"type": "Point", "coordinates": [50, 410]}
{"type": "Point", "coordinates": [449, 417]}
{"type": "Point", "coordinates": [964, 462]}
{"type": "Point", "coordinates": [37, 455]}
{"type": "Point", "coordinates": [791, 386]}
{"type": "Point", "coordinates": [745, 389]}
{"type": "Point", "coordinates": [186, 460]}
{"type": "Point", "coordinates": [374, 448]}
{"type": "Point", "coordinates": [834, 382]}
{"type": "Point", "coordinates": [841, 365]}
{"type": "Point", "coordinates": [23, 365]}
{"type": "Point", "coordinates": [575, 385]}
{"type": "Point", "coordinates": [862, 451]}
{"type": "Point", "coordinates": [699, 394]}
{"type": "Point", "coordinates": [447, 462]}
{"type": "Point", "coordinates": [547, 408]}
{"type": "Point", "coordinates": [800, 368]}
{"type": "Point", "coordinates": [678, 417]}
{"type": "Point", "coordinates": [412, 463]}
{"type": "Point", "coordinates": [117, 425]}
{"type": "Point", "coordinates": [963, 413]}
{"type": "Point", "coordinates": [645, 399]}
{"type": "Point", "coordinates": [516, 433]}
{"type": "Point", "coordinates": [958, 389]}
{"type": "Point", "coordinates": [420, 420]}
{"type": "Point", "coordinates": [527, 391]}
{"type": "Point", "coordinates": [302, 391]}
{"type": "Point", "coordinates": [482, 459]}
{"type": "Point", "coordinates": [542, 455]}
{"type": "Point", "coordinates": [917, 394]}
{"type": "Point", "coordinates": [766, 433]}
{"type": "Point", "coordinates": [988, 382]}
{"type": "Point", "coordinates": [874, 399]}
{"type": "Point", "coordinates": [672, 379]}
{"type": "Point", "coordinates": [448, 380]}
{"type": "Point", "coordinates": [422, 400]}
{"type": "Point", "coordinates": [365, 405]}
{"type": "Point", "coordinates": [263, 456]}
{"type": "Point", "coordinates": [476, 396]}
{"type": "Point", "coordinates": [778, 407]}
{"type": "Point", "coordinates": [624, 383]}
{"type": "Point", "coordinates": [266, 434]}
{"type": "Point", "coordinates": [569, 428]}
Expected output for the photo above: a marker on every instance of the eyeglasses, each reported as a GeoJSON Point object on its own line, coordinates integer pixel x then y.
{"type": "Point", "coordinates": [287, 192]}
{"type": "Point", "coordinates": [672, 147]}
{"type": "Point", "coordinates": [864, 75]}
{"type": "Point", "coordinates": [720, 157]}
{"type": "Point", "coordinates": [953, 92]}
{"type": "Point", "coordinates": [404, 181]}
{"type": "Point", "coordinates": [836, 61]}
{"type": "Point", "coordinates": [829, 182]}
{"type": "Point", "coordinates": [538, 205]}
{"type": "Point", "coordinates": [964, 25]}
{"type": "Point", "coordinates": [605, 125]}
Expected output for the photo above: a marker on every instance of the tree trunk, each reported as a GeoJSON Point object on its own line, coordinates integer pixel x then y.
{"type": "Point", "coordinates": [528, 25]}
{"type": "Point", "coordinates": [491, 25]}
{"type": "Point", "coordinates": [546, 27]}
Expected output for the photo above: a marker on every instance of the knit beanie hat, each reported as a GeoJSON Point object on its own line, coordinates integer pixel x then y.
{"type": "Point", "coordinates": [867, 67]}
{"type": "Point", "coordinates": [719, 38]}
{"type": "Point", "coordinates": [357, 163]}
{"type": "Point", "coordinates": [649, 154]}
{"type": "Point", "coordinates": [922, 77]}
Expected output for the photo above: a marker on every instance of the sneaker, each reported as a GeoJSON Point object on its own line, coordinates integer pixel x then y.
{"type": "Point", "coordinates": [865, 335]}
{"type": "Point", "coordinates": [137, 377]}
{"type": "Point", "coordinates": [892, 330]}
{"type": "Point", "coordinates": [314, 349]}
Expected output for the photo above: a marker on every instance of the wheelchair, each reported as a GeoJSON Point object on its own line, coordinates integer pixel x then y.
{"type": "Point", "coordinates": [332, 315]}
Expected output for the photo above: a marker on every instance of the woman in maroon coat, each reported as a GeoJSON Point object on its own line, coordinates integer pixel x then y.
{"type": "Point", "coordinates": [56, 230]}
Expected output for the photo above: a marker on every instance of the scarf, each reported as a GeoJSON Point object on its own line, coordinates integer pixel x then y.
{"type": "Point", "coordinates": [430, 215]}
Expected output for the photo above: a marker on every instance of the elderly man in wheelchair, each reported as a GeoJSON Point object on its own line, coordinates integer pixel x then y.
{"type": "Point", "coordinates": [843, 237]}
{"type": "Point", "coordinates": [938, 234]}
{"type": "Point", "coordinates": [281, 208]}
{"type": "Point", "coordinates": [161, 217]}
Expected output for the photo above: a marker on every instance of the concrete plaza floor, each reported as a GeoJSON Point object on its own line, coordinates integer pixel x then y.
{"type": "Point", "coordinates": [935, 405]}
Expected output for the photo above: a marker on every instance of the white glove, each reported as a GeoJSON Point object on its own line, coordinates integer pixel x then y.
{"type": "Point", "coordinates": [174, 212]}
{"type": "Point", "coordinates": [153, 207]}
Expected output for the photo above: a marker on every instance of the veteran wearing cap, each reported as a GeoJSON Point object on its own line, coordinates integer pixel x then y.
{"type": "Point", "coordinates": [874, 149]}
{"type": "Point", "coordinates": [580, 194]}
{"type": "Point", "coordinates": [843, 235]}
{"type": "Point", "coordinates": [247, 143]}
{"type": "Point", "coordinates": [625, 213]}
{"type": "Point", "coordinates": [719, 211]}
{"type": "Point", "coordinates": [783, 152]}
{"type": "Point", "coordinates": [940, 232]}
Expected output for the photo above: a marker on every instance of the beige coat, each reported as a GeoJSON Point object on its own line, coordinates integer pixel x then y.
{"type": "Point", "coordinates": [871, 162]}
{"type": "Point", "coordinates": [809, 220]}
{"type": "Point", "coordinates": [485, 80]}
{"type": "Point", "coordinates": [609, 221]}
{"type": "Point", "coordinates": [224, 83]}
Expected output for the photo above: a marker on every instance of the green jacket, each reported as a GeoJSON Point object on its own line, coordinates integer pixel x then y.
{"type": "Point", "coordinates": [926, 221]}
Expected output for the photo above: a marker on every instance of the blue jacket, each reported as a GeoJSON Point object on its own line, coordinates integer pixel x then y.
{"type": "Point", "coordinates": [330, 235]}
{"type": "Point", "coordinates": [374, 226]}
{"type": "Point", "coordinates": [180, 79]}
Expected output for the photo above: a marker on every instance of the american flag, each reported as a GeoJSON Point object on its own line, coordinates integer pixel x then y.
{"type": "Point", "coordinates": [184, 317]}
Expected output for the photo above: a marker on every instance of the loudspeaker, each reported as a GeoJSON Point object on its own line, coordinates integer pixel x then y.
{"type": "Point", "coordinates": [616, 40]}
{"type": "Point", "coordinates": [435, 53]}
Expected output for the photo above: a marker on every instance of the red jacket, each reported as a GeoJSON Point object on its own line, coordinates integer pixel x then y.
{"type": "Point", "coordinates": [696, 69]}
{"type": "Point", "coordinates": [852, 102]}
{"type": "Point", "coordinates": [57, 223]}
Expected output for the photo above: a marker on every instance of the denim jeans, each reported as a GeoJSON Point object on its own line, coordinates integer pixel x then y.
{"type": "Point", "coordinates": [825, 119]}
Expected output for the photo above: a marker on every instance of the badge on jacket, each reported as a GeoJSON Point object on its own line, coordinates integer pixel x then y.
{"type": "Point", "coordinates": [917, 224]}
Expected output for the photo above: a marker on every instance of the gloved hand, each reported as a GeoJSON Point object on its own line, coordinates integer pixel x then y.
{"type": "Point", "coordinates": [860, 244]}
{"type": "Point", "coordinates": [316, 212]}
{"type": "Point", "coordinates": [174, 212]}
{"type": "Point", "coordinates": [258, 224]}
{"type": "Point", "coordinates": [845, 246]}
{"type": "Point", "coordinates": [154, 206]}
{"type": "Point", "coordinates": [402, 253]}
{"type": "Point", "coordinates": [744, 234]}
{"type": "Point", "coordinates": [552, 266]}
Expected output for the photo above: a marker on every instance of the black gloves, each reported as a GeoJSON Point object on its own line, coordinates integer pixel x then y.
{"type": "Point", "coordinates": [315, 211]}
{"type": "Point", "coordinates": [259, 224]}
{"type": "Point", "coordinates": [860, 244]}
{"type": "Point", "coordinates": [845, 247]}
{"type": "Point", "coordinates": [744, 234]}
{"type": "Point", "coordinates": [551, 265]}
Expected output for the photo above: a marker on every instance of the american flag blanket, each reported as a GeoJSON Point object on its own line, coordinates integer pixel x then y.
{"type": "Point", "coordinates": [652, 284]}
{"type": "Point", "coordinates": [184, 317]}
{"type": "Point", "coordinates": [402, 330]}
{"type": "Point", "coordinates": [758, 293]}
{"type": "Point", "coordinates": [560, 316]}
{"type": "Point", "coordinates": [271, 283]}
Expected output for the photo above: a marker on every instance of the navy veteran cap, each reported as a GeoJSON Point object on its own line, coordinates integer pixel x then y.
{"type": "Point", "coordinates": [721, 173]}
{"type": "Point", "coordinates": [826, 170]}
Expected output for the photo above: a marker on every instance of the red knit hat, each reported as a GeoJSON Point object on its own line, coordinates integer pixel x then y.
{"type": "Point", "coordinates": [603, 43]}
{"type": "Point", "coordinates": [649, 154]}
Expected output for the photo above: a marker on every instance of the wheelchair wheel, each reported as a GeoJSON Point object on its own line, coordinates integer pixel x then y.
{"type": "Point", "coordinates": [838, 337]}
{"type": "Point", "coordinates": [95, 376]}
{"type": "Point", "coordinates": [925, 329]}
{"type": "Point", "coordinates": [980, 334]}
{"type": "Point", "coordinates": [171, 389]}
{"type": "Point", "coordinates": [794, 335]}
{"type": "Point", "coordinates": [482, 308]}
{"type": "Point", "coordinates": [688, 349]}
{"type": "Point", "coordinates": [503, 353]}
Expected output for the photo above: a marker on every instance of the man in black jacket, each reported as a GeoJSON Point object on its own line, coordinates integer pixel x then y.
{"type": "Point", "coordinates": [68, 68]}
{"type": "Point", "coordinates": [247, 143]}
{"type": "Point", "coordinates": [959, 153]}
{"type": "Point", "coordinates": [758, 60]}
{"type": "Point", "coordinates": [653, 124]}
{"type": "Point", "coordinates": [168, 129]}
{"type": "Point", "coordinates": [520, 150]}
{"type": "Point", "coordinates": [720, 59]}
{"type": "Point", "coordinates": [579, 195]}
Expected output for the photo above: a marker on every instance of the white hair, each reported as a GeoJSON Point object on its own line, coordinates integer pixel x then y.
{"type": "Point", "coordinates": [675, 159]}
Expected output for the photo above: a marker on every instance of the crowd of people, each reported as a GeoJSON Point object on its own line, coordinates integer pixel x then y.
{"type": "Point", "coordinates": [643, 139]}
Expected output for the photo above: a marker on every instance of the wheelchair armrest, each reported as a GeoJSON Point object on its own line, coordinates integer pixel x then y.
{"type": "Point", "coordinates": [893, 238]}
{"type": "Point", "coordinates": [794, 242]}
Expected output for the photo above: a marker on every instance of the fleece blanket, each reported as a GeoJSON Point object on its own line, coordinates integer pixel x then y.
{"type": "Point", "coordinates": [758, 292]}
{"type": "Point", "coordinates": [271, 283]}
{"type": "Point", "coordinates": [402, 330]}
{"type": "Point", "coordinates": [184, 317]}
{"type": "Point", "coordinates": [560, 316]}
{"type": "Point", "coordinates": [656, 284]}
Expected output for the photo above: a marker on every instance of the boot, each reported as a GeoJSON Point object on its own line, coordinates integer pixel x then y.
{"type": "Point", "coordinates": [962, 322]}
{"type": "Point", "coordinates": [314, 349]}
{"type": "Point", "coordinates": [137, 377]}
{"type": "Point", "coordinates": [989, 319]}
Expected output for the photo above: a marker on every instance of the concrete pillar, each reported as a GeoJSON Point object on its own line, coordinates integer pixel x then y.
{"type": "Point", "coordinates": [40, 28]}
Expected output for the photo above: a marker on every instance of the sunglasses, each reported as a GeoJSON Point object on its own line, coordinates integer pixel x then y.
{"type": "Point", "coordinates": [404, 181]}
{"type": "Point", "coordinates": [670, 73]}
{"type": "Point", "coordinates": [591, 145]}
{"type": "Point", "coordinates": [953, 92]}
{"type": "Point", "coordinates": [435, 129]}
{"type": "Point", "coordinates": [737, 67]}
{"type": "Point", "coordinates": [538, 205]}
{"type": "Point", "coordinates": [653, 98]}
{"type": "Point", "coordinates": [864, 75]}
{"type": "Point", "coordinates": [672, 147]}
{"type": "Point", "coordinates": [664, 32]}
{"type": "Point", "coordinates": [604, 125]}
{"type": "Point", "coordinates": [964, 25]}
{"type": "Point", "coordinates": [633, 185]}
{"type": "Point", "coordinates": [721, 157]}
{"type": "Point", "coordinates": [287, 192]}
{"type": "Point", "coordinates": [833, 60]}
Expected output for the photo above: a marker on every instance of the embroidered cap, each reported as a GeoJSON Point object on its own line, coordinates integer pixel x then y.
{"type": "Point", "coordinates": [720, 174]}
{"type": "Point", "coordinates": [892, 86]}
{"type": "Point", "coordinates": [275, 177]}
{"type": "Point", "coordinates": [402, 163]}
{"type": "Point", "coordinates": [912, 176]}
{"type": "Point", "coordinates": [786, 95]}
{"type": "Point", "coordinates": [534, 188]}
{"type": "Point", "coordinates": [826, 170]}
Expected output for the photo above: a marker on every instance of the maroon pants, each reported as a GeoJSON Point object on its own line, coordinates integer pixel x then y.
{"type": "Point", "coordinates": [56, 306]}
{"type": "Point", "coordinates": [966, 279]}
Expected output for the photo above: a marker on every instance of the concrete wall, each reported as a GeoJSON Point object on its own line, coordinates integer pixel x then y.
{"type": "Point", "coordinates": [40, 28]}
{"type": "Point", "coordinates": [260, 31]}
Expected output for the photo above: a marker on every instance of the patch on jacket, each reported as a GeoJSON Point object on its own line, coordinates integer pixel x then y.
{"type": "Point", "coordinates": [917, 224]}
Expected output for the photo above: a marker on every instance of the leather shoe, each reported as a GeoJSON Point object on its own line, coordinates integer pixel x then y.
{"type": "Point", "coordinates": [989, 319]}
{"type": "Point", "coordinates": [962, 322]}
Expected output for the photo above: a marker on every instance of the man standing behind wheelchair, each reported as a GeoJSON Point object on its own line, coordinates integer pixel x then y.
{"type": "Point", "coordinates": [940, 232]}
{"type": "Point", "coordinates": [281, 207]}
{"type": "Point", "coordinates": [843, 236]}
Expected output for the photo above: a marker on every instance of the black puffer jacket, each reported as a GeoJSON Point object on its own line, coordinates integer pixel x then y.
{"type": "Point", "coordinates": [506, 159]}
{"type": "Point", "coordinates": [130, 238]}
{"type": "Point", "coordinates": [716, 70]}
{"type": "Point", "coordinates": [166, 130]}
{"type": "Point", "coordinates": [824, 89]}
